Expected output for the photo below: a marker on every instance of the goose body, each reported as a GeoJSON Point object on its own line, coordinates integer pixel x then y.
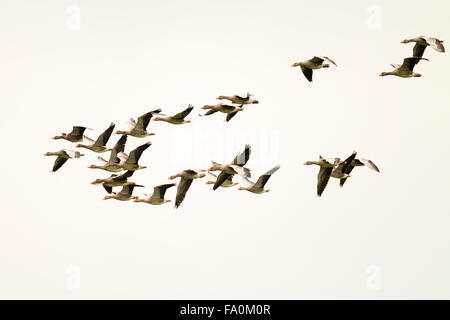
{"type": "Point", "coordinates": [131, 163]}
{"type": "Point", "coordinates": [258, 186]}
{"type": "Point", "coordinates": [235, 167]}
{"type": "Point", "coordinates": [99, 145]}
{"type": "Point", "coordinates": [62, 157]}
{"type": "Point", "coordinates": [125, 194]}
{"type": "Point", "coordinates": [114, 181]}
{"type": "Point", "coordinates": [421, 43]}
{"type": "Point", "coordinates": [326, 168]}
{"type": "Point", "coordinates": [176, 119]}
{"type": "Point", "coordinates": [239, 99]}
{"type": "Point", "coordinates": [157, 198]}
{"type": "Point", "coordinates": [406, 69]}
{"type": "Point", "coordinates": [139, 129]}
{"type": "Point", "coordinates": [76, 135]}
{"type": "Point", "coordinates": [187, 176]}
{"type": "Point", "coordinates": [308, 66]}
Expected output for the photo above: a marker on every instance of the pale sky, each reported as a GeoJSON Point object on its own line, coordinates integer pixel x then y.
{"type": "Point", "coordinates": [384, 235]}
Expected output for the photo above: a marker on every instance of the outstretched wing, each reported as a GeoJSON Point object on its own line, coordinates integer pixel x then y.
{"type": "Point", "coordinates": [370, 164]}
{"type": "Point", "coordinates": [436, 44]}
{"type": "Point", "coordinates": [409, 63]}
{"type": "Point", "coordinates": [316, 60]}
{"type": "Point", "coordinates": [59, 163]}
{"type": "Point", "coordinates": [102, 139]}
{"type": "Point", "coordinates": [136, 154]}
{"type": "Point", "coordinates": [329, 60]}
{"type": "Point", "coordinates": [183, 114]}
{"type": "Point", "coordinates": [77, 131]}
{"type": "Point", "coordinates": [418, 50]}
{"type": "Point", "coordinates": [108, 189]}
{"type": "Point", "coordinates": [322, 179]}
{"type": "Point", "coordinates": [182, 189]}
{"type": "Point", "coordinates": [307, 73]}
{"type": "Point", "coordinates": [262, 180]}
{"type": "Point", "coordinates": [160, 191]}
{"type": "Point", "coordinates": [123, 177]}
{"type": "Point", "coordinates": [118, 147]}
{"type": "Point", "coordinates": [223, 176]}
{"type": "Point", "coordinates": [242, 158]}
{"type": "Point", "coordinates": [144, 120]}
{"type": "Point", "coordinates": [230, 116]}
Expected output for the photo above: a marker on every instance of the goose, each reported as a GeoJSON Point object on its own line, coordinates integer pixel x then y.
{"type": "Point", "coordinates": [315, 63]}
{"type": "Point", "coordinates": [352, 162]}
{"type": "Point", "coordinates": [178, 118]}
{"type": "Point", "coordinates": [76, 135]}
{"type": "Point", "coordinates": [326, 167]}
{"type": "Point", "coordinates": [220, 107]}
{"type": "Point", "coordinates": [226, 184]}
{"type": "Point", "coordinates": [99, 145]}
{"type": "Point", "coordinates": [406, 69]}
{"type": "Point", "coordinates": [187, 176]}
{"type": "Point", "coordinates": [125, 194]}
{"type": "Point", "coordinates": [131, 163]}
{"type": "Point", "coordinates": [114, 181]}
{"type": "Point", "coordinates": [139, 129]}
{"type": "Point", "coordinates": [239, 99]}
{"type": "Point", "coordinates": [258, 187]}
{"type": "Point", "coordinates": [62, 157]}
{"type": "Point", "coordinates": [114, 160]}
{"type": "Point", "coordinates": [235, 167]}
{"type": "Point", "coordinates": [157, 198]}
{"type": "Point", "coordinates": [422, 43]}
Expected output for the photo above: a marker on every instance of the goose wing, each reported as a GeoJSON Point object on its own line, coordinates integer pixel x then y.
{"type": "Point", "coordinates": [436, 44]}
{"type": "Point", "coordinates": [230, 116]}
{"type": "Point", "coordinates": [262, 180]}
{"type": "Point", "coordinates": [322, 179]}
{"type": "Point", "coordinates": [160, 191]}
{"type": "Point", "coordinates": [317, 60]}
{"type": "Point", "coordinates": [223, 176]}
{"type": "Point", "coordinates": [144, 120]}
{"type": "Point", "coordinates": [128, 189]}
{"type": "Point", "coordinates": [123, 177]}
{"type": "Point", "coordinates": [370, 164]}
{"type": "Point", "coordinates": [108, 189]}
{"type": "Point", "coordinates": [102, 139]}
{"type": "Point", "coordinates": [242, 158]}
{"type": "Point", "coordinates": [409, 63]}
{"type": "Point", "coordinates": [329, 60]}
{"type": "Point", "coordinates": [60, 160]}
{"type": "Point", "coordinates": [181, 115]}
{"type": "Point", "coordinates": [77, 131]}
{"type": "Point", "coordinates": [307, 73]}
{"type": "Point", "coordinates": [418, 50]}
{"type": "Point", "coordinates": [182, 189]}
{"type": "Point", "coordinates": [118, 147]}
{"type": "Point", "coordinates": [228, 108]}
{"type": "Point", "coordinates": [136, 154]}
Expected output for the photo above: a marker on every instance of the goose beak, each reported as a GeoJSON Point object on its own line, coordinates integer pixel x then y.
{"type": "Point", "coordinates": [105, 198]}
{"type": "Point", "coordinates": [380, 75]}
{"type": "Point", "coordinates": [46, 154]}
{"type": "Point", "coordinates": [294, 65]}
{"type": "Point", "coordinates": [202, 175]}
{"type": "Point", "coordinates": [255, 101]}
{"type": "Point", "coordinates": [203, 108]}
{"type": "Point", "coordinates": [54, 138]}
{"type": "Point", "coordinates": [403, 41]}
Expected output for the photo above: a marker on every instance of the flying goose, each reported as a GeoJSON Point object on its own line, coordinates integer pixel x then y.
{"type": "Point", "coordinates": [187, 176]}
{"type": "Point", "coordinates": [406, 69]}
{"type": "Point", "coordinates": [157, 198]}
{"type": "Point", "coordinates": [125, 194]}
{"type": "Point", "coordinates": [315, 63]}
{"type": "Point", "coordinates": [239, 99]}
{"type": "Point", "coordinates": [62, 157]}
{"type": "Point", "coordinates": [176, 119]}
{"type": "Point", "coordinates": [76, 135]}
{"type": "Point", "coordinates": [131, 162]}
{"type": "Point", "coordinates": [352, 162]}
{"type": "Point", "coordinates": [258, 187]}
{"type": "Point", "coordinates": [326, 167]}
{"type": "Point", "coordinates": [114, 160]}
{"type": "Point", "coordinates": [114, 181]}
{"type": "Point", "coordinates": [139, 129]}
{"type": "Point", "coordinates": [422, 43]}
{"type": "Point", "coordinates": [226, 184]}
{"type": "Point", "coordinates": [99, 145]}
{"type": "Point", "coordinates": [220, 107]}
{"type": "Point", "coordinates": [235, 167]}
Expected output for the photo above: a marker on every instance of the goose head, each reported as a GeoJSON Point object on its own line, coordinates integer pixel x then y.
{"type": "Point", "coordinates": [59, 137]}
{"type": "Point", "coordinates": [297, 64]}
{"type": "Point", "coordinates": [98, 181]}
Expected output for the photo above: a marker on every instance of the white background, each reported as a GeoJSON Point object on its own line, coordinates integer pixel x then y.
{"type": "Point", "coordinates": [383, 235]}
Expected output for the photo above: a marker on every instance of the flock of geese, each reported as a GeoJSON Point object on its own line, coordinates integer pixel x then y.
{"type": "Point", "coordinates": [119, 161]}
{"type": "Point", "coordinates": [405, 70]}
